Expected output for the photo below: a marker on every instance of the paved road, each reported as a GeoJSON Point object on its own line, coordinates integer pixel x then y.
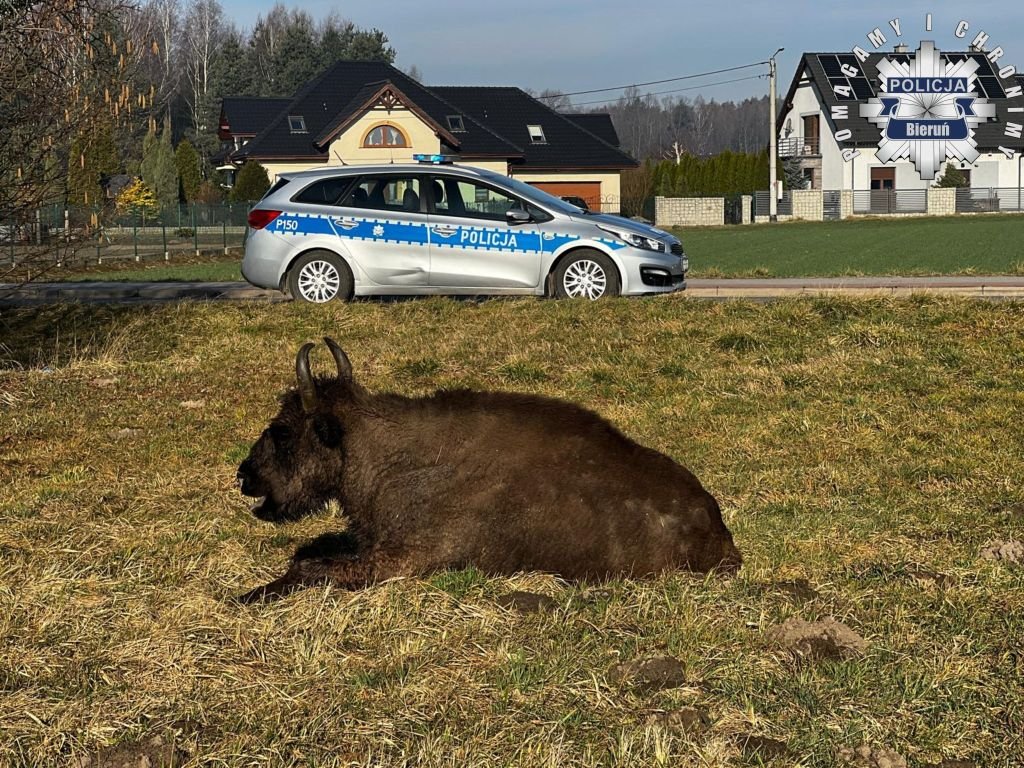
{"type": "Point", "coordinates": [119, 292]}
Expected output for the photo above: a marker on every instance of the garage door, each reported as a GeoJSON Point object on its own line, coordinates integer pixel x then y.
{"type": "Point", "coordinates": [588, 190]}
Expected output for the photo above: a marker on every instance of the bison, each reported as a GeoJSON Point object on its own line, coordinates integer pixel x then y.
{"type": "Point", "coordinates": [500, 481]}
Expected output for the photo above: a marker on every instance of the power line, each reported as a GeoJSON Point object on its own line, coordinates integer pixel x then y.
{"type": "Point", "coordinates": [655, 82]}
{"type": "Point", "coordinates": [674, 90]}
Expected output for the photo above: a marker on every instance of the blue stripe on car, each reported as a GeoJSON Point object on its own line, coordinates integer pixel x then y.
{"type": "Point", "coordinates": [408, 233]}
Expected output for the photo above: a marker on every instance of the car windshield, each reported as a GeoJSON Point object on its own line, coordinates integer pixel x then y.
{"type": "Point", "coordinates": [550, 202]}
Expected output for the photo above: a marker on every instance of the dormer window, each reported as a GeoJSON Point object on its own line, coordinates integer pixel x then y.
{"type": "Point", "coordinates": [536, 134]}
{"type": "Point", "coordinates": [297, 124]}
{"type": "Point", "coordinates": [455, 124]}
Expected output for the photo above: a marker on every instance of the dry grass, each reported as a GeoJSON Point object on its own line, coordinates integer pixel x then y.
{"type": "Point", "coordinates": [852, 443]}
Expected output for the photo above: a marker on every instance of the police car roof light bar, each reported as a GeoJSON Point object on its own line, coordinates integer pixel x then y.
{"type": "Point", "coordinates": [434, 159]}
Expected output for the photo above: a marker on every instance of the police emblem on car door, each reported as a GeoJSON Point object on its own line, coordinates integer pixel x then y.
{"type": "Point", "coordinates": [381, 225]}
{"type": "Point", "coordinates": [473, 242]}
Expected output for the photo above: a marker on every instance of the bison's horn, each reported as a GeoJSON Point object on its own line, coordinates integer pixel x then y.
{"type": "Point", "coordinates": [306, 387]}
{"type": "Point", "coordinates": [344, 366]}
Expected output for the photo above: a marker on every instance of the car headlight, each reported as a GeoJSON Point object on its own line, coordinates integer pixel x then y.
{"type": "Point", "coordinates": [637, 241]}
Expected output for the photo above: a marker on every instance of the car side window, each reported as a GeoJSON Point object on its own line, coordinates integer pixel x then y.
{"type": "Point", "coordinates": [324, 191]}
{"type": "Point", "coordinates": [385, 193]}
{"type": "Point", "coordinates": [471, 199]}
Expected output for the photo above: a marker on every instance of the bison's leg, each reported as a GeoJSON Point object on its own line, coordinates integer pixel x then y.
{"type": "Point", "coordinates": [348, 571]}
{"type": "Point", "coordinates": [307, 566]}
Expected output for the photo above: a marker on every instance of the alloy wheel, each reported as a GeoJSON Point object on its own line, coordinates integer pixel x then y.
{"type": "Point", "coordinates": [585, 278]}
{"type": "Point", "coordinates": [319, 281]}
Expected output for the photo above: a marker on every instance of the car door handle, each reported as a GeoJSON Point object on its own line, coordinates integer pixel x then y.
{"type": "Point", "coordinates": [444, 230]}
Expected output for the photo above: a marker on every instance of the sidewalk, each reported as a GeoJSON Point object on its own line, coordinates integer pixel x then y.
{"type": "Point", "coordinates": [1000, 287]}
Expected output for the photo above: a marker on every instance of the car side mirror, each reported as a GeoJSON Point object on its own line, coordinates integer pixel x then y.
{"type": "Point", "coordinates": [518, 216]}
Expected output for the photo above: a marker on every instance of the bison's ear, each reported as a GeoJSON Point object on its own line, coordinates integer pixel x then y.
{"type": "Point", "coordinates": [340, 359]}
{"type": "Point", "coordinates": [328, 430]}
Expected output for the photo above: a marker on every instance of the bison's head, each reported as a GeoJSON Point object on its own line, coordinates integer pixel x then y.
{"type": "Point", "coordinates": [296, 464]}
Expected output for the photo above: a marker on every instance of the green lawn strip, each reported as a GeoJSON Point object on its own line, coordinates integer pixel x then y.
{"type": "Point", "coordinates": [218, 271]}
{"type": "Point", "coordinates": [961, 245]}
{"type": "Point", "coordinates": [896, 246]}
{"type": "Point", "coordinates": [852, 443]}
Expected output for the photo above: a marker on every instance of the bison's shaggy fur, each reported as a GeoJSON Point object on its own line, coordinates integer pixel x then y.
{"type": "Point", "coordinates": [504, 482]}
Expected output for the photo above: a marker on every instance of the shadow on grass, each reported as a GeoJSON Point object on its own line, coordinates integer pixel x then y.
{"type": "Point", "coordinates": [59, 334]}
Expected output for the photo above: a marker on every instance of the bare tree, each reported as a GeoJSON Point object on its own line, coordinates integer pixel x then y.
{"type": "Point", "coordinates": [204, 29]}
{"type": "Point", "coordinates": [164, 20]}
{"type": "Point", "coordinates": [700, 134]}
{"type": "Point", "coordinates": [556, 100]}
{"type": "Point", "coordinates": [66, 74]}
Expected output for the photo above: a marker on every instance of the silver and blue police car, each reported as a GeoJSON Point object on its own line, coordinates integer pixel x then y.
{"type": "Point", "coordinates": [433, 227]}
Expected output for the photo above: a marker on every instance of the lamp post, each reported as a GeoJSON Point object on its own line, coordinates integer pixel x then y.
{"type": "Point", "coordinates": [773, 184]}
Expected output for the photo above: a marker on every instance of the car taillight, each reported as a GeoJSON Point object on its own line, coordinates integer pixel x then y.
{"type": "Point", "coordinates": [259, 218]}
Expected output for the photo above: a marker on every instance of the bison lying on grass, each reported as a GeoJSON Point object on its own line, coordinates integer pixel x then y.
{"type": "Point", "coordinates": [500, 481]}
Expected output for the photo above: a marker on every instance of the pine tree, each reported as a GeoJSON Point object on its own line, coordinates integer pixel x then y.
{"type": "Point", "coordinates": [186, 161]}
{"type": "Point", "coordinates": [952, 177]}
{"type": "Point", "coordinates": [166, 169]}
{"type": "Point", "coordinates": [251, 184]}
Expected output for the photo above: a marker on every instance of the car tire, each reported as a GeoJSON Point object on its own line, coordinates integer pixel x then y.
{"type": "Point", "coordinates": [586, 274]}
{"type": "Point", "coordinates": [318, 277]}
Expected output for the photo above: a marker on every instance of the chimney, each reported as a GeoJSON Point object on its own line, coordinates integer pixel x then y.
{"type": "Point", "coordinates": [900, 48]}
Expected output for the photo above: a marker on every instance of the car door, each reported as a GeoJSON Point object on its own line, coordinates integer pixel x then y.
{"type": "Point", "coordinates": [472, 244]}
{"type": "Point", "coordinates": [383, 224]}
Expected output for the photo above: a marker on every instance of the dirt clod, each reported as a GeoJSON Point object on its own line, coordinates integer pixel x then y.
{"type": "Point", "coordinates": [154, 752]}
{"type": "Point", "coordinates": [103, 383]}
{"type": "Point", "coordinates": [526, 602]}
{"type": "Point", "coordinates": [687, 720]}
{"type": "Point", "coordinates": [825, 639]}
{"type": "Point", "coordinates": [648, 675]}
{"type": "Point", "coordinates": [1004, 551]}
{"type": "Point", "coordinates": [871, 757]}
{"type": "Point", "coordinates": [192, 405]}
{"type": "Point", "coordinates": [761, 747]}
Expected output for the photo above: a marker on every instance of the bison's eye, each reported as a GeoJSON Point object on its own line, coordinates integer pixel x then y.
{"type": "Point", "coordinates": [279, 434]}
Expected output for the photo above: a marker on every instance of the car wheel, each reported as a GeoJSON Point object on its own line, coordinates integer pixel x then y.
{"type": "Point", "coordinates": [319, 277]}
{"type": "Point", "coordinates": [586, 275]}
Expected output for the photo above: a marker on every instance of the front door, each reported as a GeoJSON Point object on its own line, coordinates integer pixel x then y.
{"type": "Point", "coordinates": [472, 245]}
{"type": "Point", "coordinates": [382, 223]}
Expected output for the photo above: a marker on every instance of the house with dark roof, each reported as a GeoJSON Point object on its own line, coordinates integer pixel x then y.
{"type": "Point", "coordinates": [359, 112]}
{"type": "Point", "coordinates": [820, 120]}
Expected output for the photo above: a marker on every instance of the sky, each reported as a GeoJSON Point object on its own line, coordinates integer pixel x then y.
{"type": "Point", "coordinates": [569, 46]}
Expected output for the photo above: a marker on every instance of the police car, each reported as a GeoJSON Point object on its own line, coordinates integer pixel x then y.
{"type": "Point", "coordinates": [432, 227]}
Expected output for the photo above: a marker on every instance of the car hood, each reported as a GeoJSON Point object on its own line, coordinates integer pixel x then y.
{"type": "Point", "coordinates": [624, 224]}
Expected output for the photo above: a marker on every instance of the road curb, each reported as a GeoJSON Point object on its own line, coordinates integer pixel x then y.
{"type": "Point", "coordinates": [993, 288]}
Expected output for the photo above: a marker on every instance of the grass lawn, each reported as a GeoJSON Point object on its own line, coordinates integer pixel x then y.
{"type": "Point", "coordinates": [863, 451]}
{"type": "Point", "coordinates": [955, 245]}
{"type": "Point", "coordinates": [962, 245]}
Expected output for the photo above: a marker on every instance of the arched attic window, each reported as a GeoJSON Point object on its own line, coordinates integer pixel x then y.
{"type": "Point", "coordinates": [385, 135]}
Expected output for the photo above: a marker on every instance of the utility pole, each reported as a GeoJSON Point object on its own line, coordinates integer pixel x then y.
{"type": "Point", "coordinates": [773, 146]}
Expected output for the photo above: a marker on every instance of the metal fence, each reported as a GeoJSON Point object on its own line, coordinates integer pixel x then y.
{"type": "Point", "coordinates": [890, 201]}
{"type": "Point", "coordinates": [762, 202]}
{"type": "Point", "coordinates": [990, 200]}
{"type": "Point", "coordinates": [87, 235]}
